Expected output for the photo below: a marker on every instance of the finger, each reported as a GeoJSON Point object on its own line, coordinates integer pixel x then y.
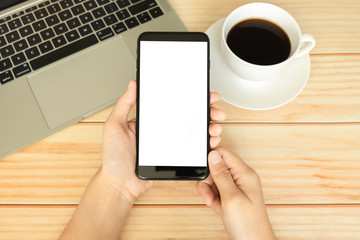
{"type": "Point", "coordinates": [217, 114]}
{"type": "Point", "coordinates": [221, 175]}
{"type": "Point", "coordinates": [215, 129]}
{"type": "Point", "coordinates": [205, 191]}
{"type": "Point", "coordinates": [232, 160]}
{"type": "Point", "coordinates": [214, 97]}
{"type": "Point", "coordinates": [247, 179]}
{"type": "Point", "coordinates": [125, 103]}
{"type": "Point", "coordinates": [132, 125]}
{"type": "Point", "coordinates": [214, 141]}
{"type": "Point", "coordinates": [217, 206]}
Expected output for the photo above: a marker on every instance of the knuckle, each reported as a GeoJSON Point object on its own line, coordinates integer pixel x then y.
{"type": "Point", "coordinates": [221, 149]}
{"type": "Point", "coordinates": [233, 201]}
{"type": "Point", "coordinates": [252, 174]}
{"type": "Point", "coordinates": [222, 173]}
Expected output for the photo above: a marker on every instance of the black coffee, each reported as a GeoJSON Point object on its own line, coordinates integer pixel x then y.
{"type": "Point", "coordinates": [259, 42]}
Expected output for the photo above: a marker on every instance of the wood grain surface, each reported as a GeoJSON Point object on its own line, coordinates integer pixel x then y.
{"type": "Point", "coordinates": [307, 152]}
{"type": "Point", "coordinates": [335, 24]}
{"type": "Point", "coordinates": [298, 164]}
{"type": "Point", "coordinates": [332, 94]}
{"type": "Point", "coordinates": [187, 222]}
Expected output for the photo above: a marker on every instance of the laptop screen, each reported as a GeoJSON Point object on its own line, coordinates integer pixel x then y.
{"type": "Point", "coordinates": [8, 3]}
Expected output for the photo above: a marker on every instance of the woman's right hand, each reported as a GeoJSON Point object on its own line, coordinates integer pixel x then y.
{"type": "Point", "coordinates": [234, 191]}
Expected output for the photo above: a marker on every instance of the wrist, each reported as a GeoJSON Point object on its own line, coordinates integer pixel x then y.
{"type": "Point", "coordinates": [101, 213]}
{"type": "Point", "coordinates": [114, 186]}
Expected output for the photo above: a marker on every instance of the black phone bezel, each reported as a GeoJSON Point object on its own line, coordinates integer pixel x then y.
{"type": "Point", "coordinates": [171, 172]}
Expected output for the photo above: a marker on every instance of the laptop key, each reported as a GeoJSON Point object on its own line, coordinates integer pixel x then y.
{"type": "Point", "coordinates": [47, 34]}
{"type": "Point", "coordinates": [59, 41]}
{"type": "Point", "coordinates": [111, 7]}
{"type": "Point", "coordinates": [34, 39]}
{"type": "Point", "coordinates": [131, 22]}
{"type": "Point", "coordinates": [30, 9]}
{"type": "Point", "coordinates": [39, 25]}
{"type": "Point", "coordinates": [18, 58]}
{"type": "Point", "coordinates": [20, 45]}
{"type": "Point", "coordinates": [156, 12]}
{"type": "Point", "coordinates": [41, 13]}
{"type": "Point", "coordinates": [43, 4]}
{"type": "Point", "coordinates": [90, 5]}
{"type": "Point", "coordinates": [28, 18]}
{"type": "Point", "coordinates": [85, 18]}
{"type": "Point", "coordinates": [72, 36]}
{"type": "Point", "coordinates": [12, 37]}
{"type": "Point", "coordinates": [5, 64]}
{"type": "Point", "coordinates": [21, 70]}
{"type": "Point", "coordinates": [65, 15]}
{"type": "Point", "coordinates": [2, 41]}
{"type": "Point", "coordinates": [26, 31]}
{"type": "Point", "coordinates": [98, 24]}
{"type": "Point", "coordinates": [6, 77]}
{"type": "Point", "coordinates": [79, 9]}
{"type": "Point", "coordinates": [4, 29]}
{"type": "Point", "coordinates": [32, 53]}
{"type": "Point", "coordinates": [123, 14]}
{"type": "Point", "coordinates": [85, 30]}
{"type": "Point", "coordinates": [7, 51]}
{"type": "Point", "coordinates": [119, 28]}
{"type": "Point", "coordinates": [99, 12]}
{"type": "Point", "coordinates": [52, 20]}
{"type": "Point", "coordinates": [143, 17]}
{"type": "Point", "coordinates": [60, 29]}
{"type": "Point", "coordinates": [73, 23]}
{"type": "Point", "coordinates": [46, 47]}
{"type": "Point", "coordinates": [18, 14]}
{"type": "Point", "coordinates": [14, 24]}
{"type": "Point", "coordinates": [102, 2]}
{"type": "Point", "coordinates": [54, 8]}
{"type": "Point", "coordinates": [5, 19]}
{"type": "Point", "coordinates": [63, 52]}
{"type": "Point", "coordinates": [142, 6]}
{"type": "Point", "coordinates": [110, 20]}
{"type": "Point", "coordinates": [105, 34]}
{"type": "Point", "coordinates": [66, 4]}
{"type": "Point", "coordinates": [123, 3]}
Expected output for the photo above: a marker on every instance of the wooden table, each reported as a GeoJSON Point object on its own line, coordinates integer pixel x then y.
{"type": "Point", "coordinates": [307, 152]}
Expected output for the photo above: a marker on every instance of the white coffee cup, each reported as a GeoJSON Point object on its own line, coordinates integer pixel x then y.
{"type": "Point", "coordinates": [301, 44]}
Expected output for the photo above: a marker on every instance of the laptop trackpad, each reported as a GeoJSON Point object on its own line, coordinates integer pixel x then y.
{"type": "Point", "coordinates": [74, 87]}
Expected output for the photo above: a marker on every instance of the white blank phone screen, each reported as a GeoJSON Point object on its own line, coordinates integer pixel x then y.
{"type": "Point", "coordinates": [173, 103]}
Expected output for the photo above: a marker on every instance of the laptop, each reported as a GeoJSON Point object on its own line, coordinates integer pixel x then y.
{"type": "Point", "coordinates": [64, 60]}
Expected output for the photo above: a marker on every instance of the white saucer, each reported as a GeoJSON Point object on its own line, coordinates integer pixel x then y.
{"type": "Point", "coordinates": [254, 95]}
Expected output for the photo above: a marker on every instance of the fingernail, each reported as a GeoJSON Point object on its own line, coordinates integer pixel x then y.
{"type": "Point", "coordinates": [207, 202]}
{"type": "Point", "coordinates": [130, 84]}
{"type": "Point", "coordinates": [214, 158]}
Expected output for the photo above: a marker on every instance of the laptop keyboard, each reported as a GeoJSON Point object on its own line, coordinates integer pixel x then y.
{"type": "Point", "coordinates": [42, 34]}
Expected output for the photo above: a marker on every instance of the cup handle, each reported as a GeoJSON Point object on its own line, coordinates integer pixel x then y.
{"type": "Point", "coordinates": [307, 44]}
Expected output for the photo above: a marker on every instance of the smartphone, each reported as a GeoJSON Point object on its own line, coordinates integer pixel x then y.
{"type": "Point", "coordinates": [173, 111]}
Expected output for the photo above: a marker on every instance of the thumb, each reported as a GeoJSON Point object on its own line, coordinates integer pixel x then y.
{"type": "Point", "coordinates": [126, 102]}
{"type": "Point", "coordinates": [221, 175]}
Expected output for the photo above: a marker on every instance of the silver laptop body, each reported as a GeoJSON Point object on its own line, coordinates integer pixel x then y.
{"type": "Point", "coordinates": [51, 79]}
